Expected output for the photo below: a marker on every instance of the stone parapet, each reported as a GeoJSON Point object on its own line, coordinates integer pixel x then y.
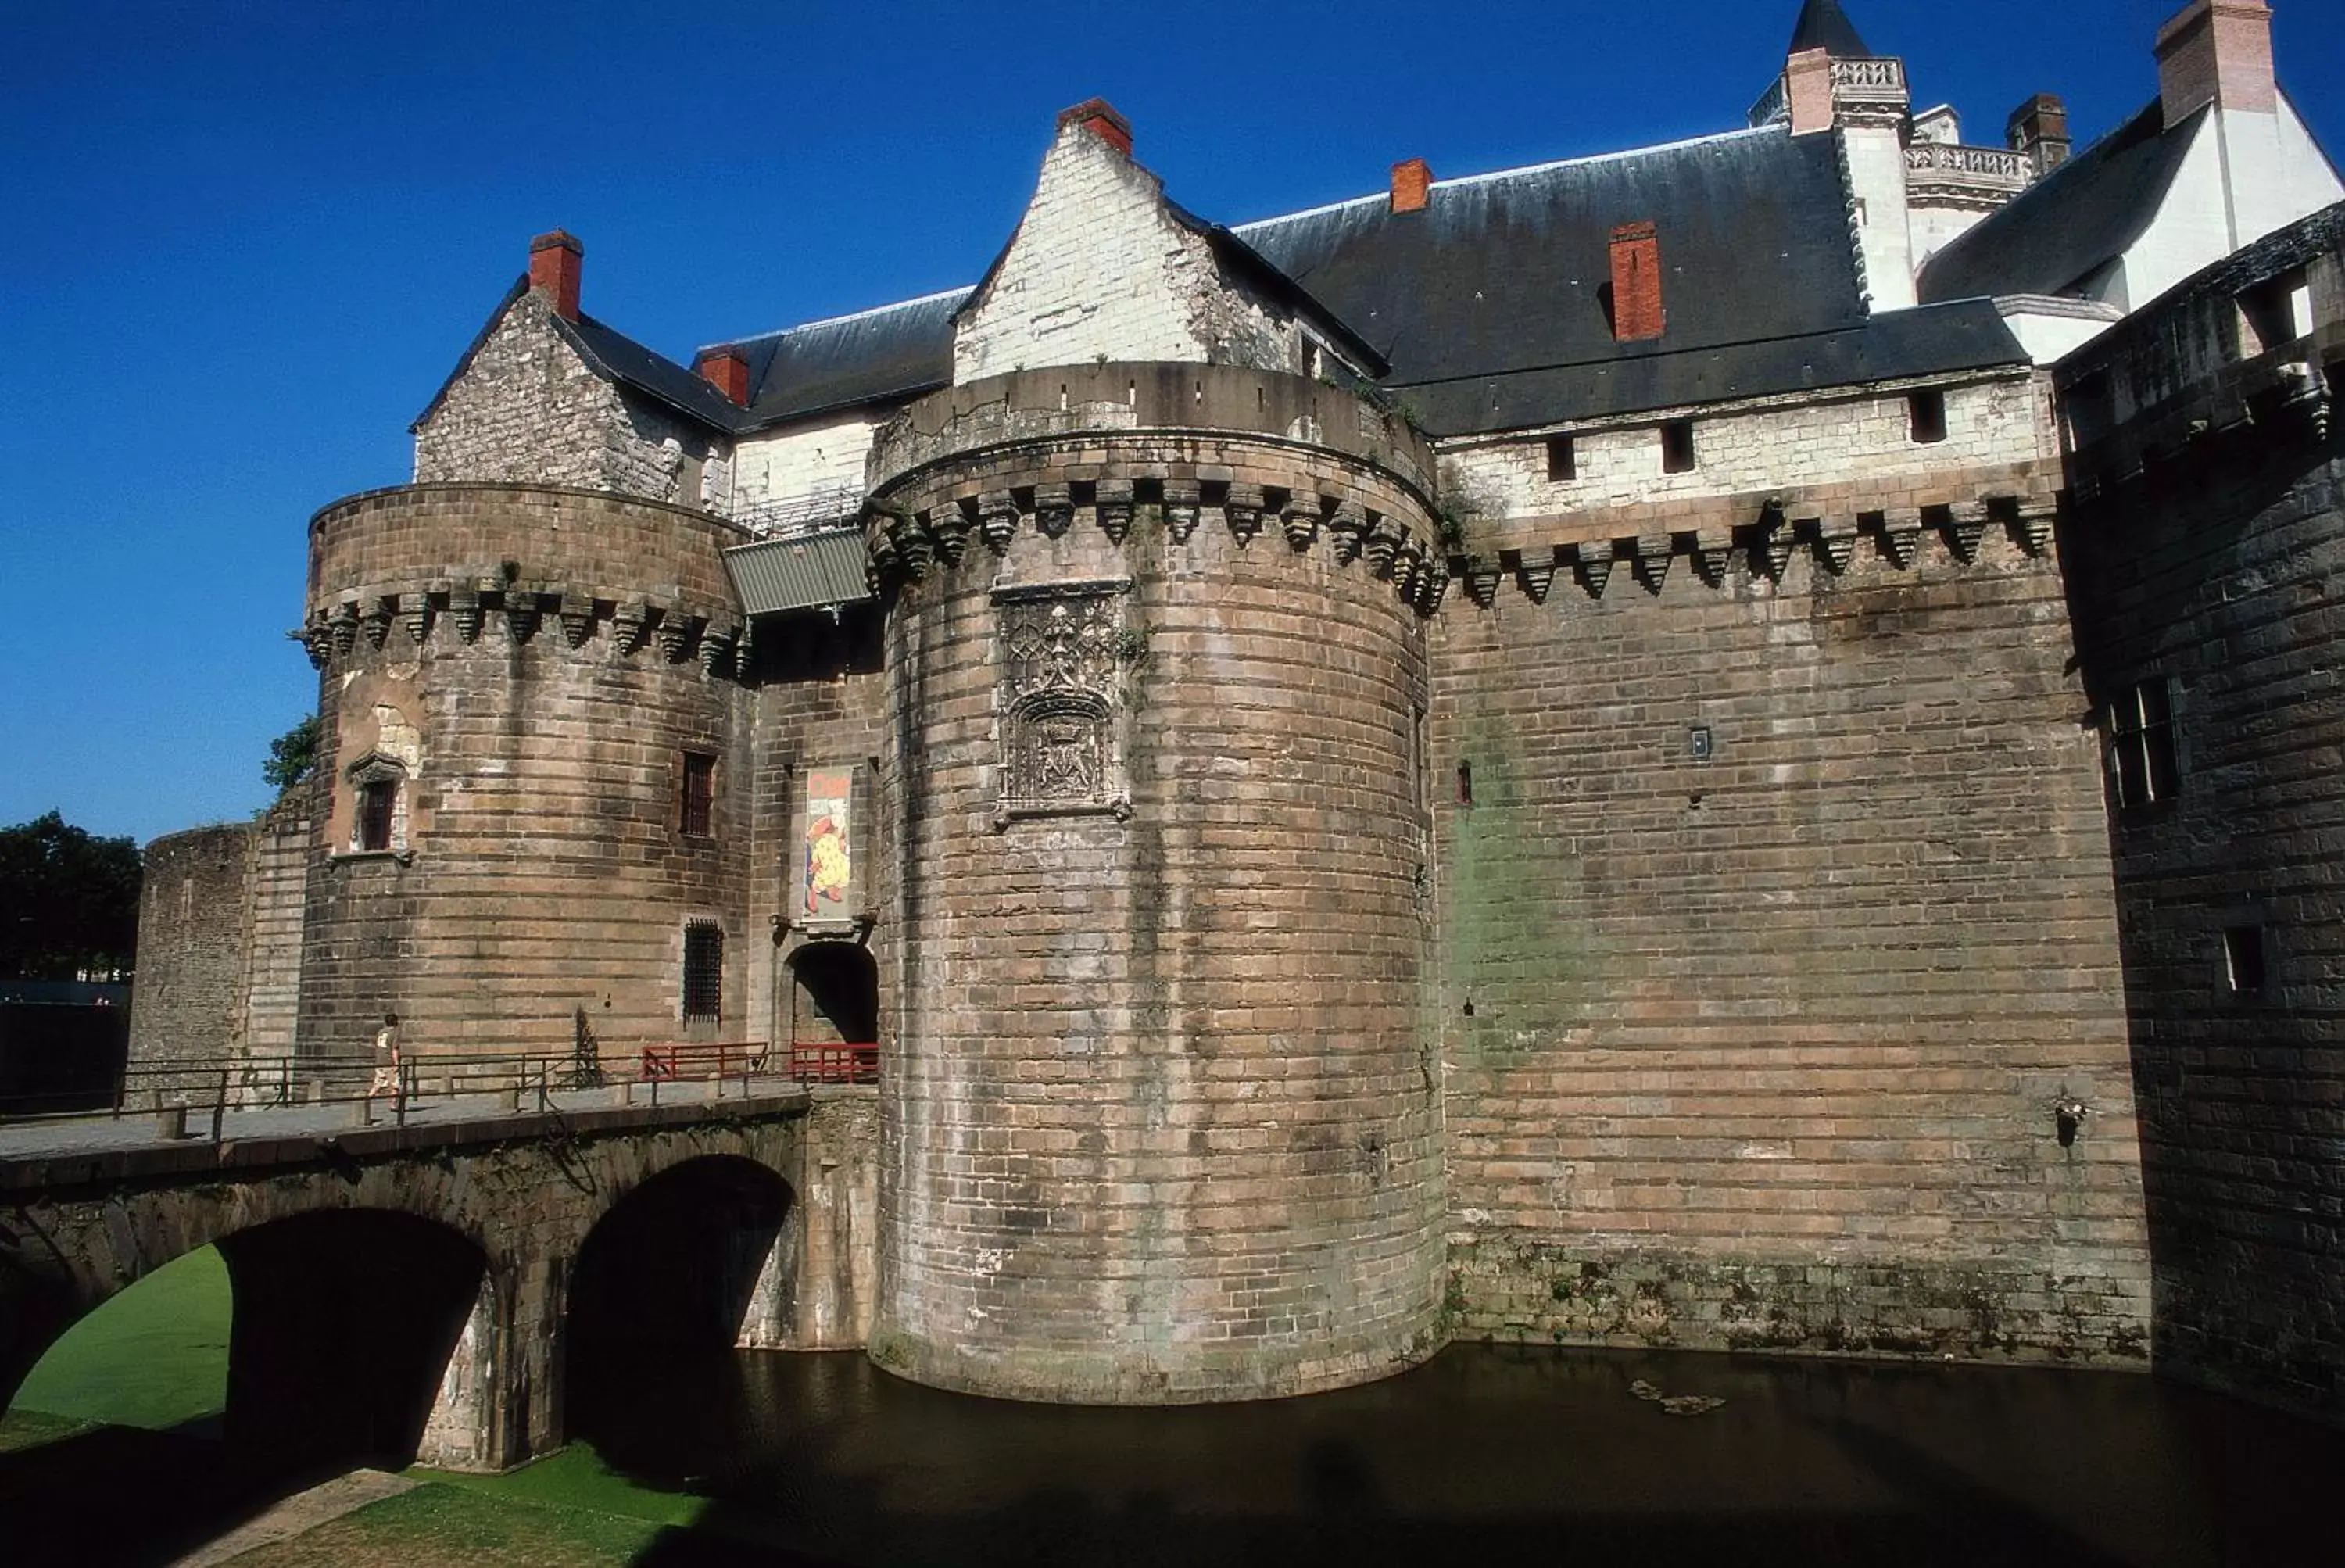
{"type": "Point", "coordinates": [963, 423]}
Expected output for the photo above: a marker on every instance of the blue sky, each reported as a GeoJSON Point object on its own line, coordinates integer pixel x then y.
{"type": "Point", "coordinates": [242, 241]}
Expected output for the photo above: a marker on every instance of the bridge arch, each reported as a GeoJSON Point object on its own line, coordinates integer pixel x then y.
{"type": "Point", "coordinates": [682, 1264]}
{"type": "Point", "coordinates": [343, 1317]}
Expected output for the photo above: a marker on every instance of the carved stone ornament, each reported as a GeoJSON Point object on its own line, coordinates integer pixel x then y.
{"type": "Point", "coordinates": [1537, 577]}
{"type": "Point", "coordinates": [1349, 527]}
{"type": "Point", "coordinates": [1054, 510]}
{"type": "Point", "coordinates": [1182, 505]}
{"type": "Point", "coordinates": [950, 527]}
{"type": "Point", "coordinates": [464, 606]}
{"type": "Point", "coordinates": [631, 625]}
{"type": "Point", "coordinates": [997, 512]}
{"type": "Point", "coordinates": [1115, 504]}
{"type": "Point", "coordinates": [1593, 563]}
{"type": "Point", "coordinates": [1063, 671]}
{"type": "Point", "coordinates": [415, 617]}
{"type": "Point", "coordinates": [1243, 508]}
{"type": "Point", "coordinates": [377, 620]}
{"type": "Point", "coordinates": [577, 620]}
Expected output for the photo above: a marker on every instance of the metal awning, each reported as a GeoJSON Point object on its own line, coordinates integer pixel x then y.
{"type": "Point", "coordinates": [806, 572]}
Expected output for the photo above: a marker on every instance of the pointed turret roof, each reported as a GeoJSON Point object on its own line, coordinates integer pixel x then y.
{"type": "Point", "coordinates": [1822, 25]}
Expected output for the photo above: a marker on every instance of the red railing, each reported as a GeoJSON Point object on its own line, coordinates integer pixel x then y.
{"type": "Point", "coordinates": [703, 1059]}
{"type": "Point", "coordinates": [829, 1063]}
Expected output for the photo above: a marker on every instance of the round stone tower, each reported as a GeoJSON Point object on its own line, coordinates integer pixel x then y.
{"type": "Point", "coordinates": [513, 679]}
{"type": "Point", "coordinates": [1158, 1124]}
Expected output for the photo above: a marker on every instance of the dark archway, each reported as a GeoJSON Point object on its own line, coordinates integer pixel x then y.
{"type": "Point", "coordinates": [344, 1322]}
{"type": "Point", "coordinates": [666, 1277]}
{"type": "Point", "coordinates": [339, 1326]}
{"type": "Point", "coordinates": [835, 995]}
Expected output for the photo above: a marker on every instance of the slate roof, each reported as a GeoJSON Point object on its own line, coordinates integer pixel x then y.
{"type": "Point", "coordinates": [2079, 218]}
{"type": "Point", "coordinates": [1822, 25]}
{"type": "Point", "coordinates": [1483, 312]}
{"type": "Point", "coordinates": [617, 356]}
{"type": "Point", "coordinates": [873, 356]}
{"type": "Point", "coordinates": [1486, 303]}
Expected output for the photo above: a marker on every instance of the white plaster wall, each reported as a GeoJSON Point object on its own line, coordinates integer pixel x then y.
{"type": "Point", "coordinates": [776, 467]}
{"type": "Point", "coordinates": [1876, 175]}
{"type": "Point", "coordinates": [1098, 269]}
{"type": "Point", "coordinates": [1815, 443]}
{"type": "Point", "coordinates": [2192, 228]}
{"type": "Point", "coordinates": [1933, 228]}
{"type": "Point", "coordinates": [2048, 337]}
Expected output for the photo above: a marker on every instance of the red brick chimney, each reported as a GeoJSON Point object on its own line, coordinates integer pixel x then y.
{"type": "Point", "coordinates": [2038, 130]}
{"type": "Point", "coordinates": [1097, 117]}
{"type": "Point", "coordinates": [556, 260]}
{"type": "Point", "coordinates": [1637, 313]}
{"type": "Point", "coordinates": [1807, 91]}
{"type": "Point", "coordinates": [726, 370]}
{"type": "Point", "coordinates": [2216, 51]}
{"type": "Point", "coordinates": [1412, 185]}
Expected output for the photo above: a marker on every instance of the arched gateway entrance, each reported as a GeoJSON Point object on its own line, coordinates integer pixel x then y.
{"type": "Point", "coordinates": [833, 1019]}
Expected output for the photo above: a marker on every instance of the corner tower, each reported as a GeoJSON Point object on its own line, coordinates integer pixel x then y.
{"type": "Point", "coordinates": [1159, 1125]}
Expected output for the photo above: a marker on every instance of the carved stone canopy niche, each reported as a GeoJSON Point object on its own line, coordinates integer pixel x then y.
{"type": "Point", "coordinates": [1061, 700]}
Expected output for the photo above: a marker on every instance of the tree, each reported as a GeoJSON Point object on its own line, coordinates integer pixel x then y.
{"type": "Point", "coordinates": [68, 901]}
{"type": "Point", "coordinates": [292, 756]}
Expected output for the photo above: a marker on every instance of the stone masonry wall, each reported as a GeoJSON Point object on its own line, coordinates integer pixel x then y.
{"type": "Point", "coordinates": [529, 409]}
{"type": "Point", "coordinates": [1762, 1049]}
{"type": "Point", "coordinates": [1818, 449]}
{"type": "Point", "coordinates": [276, 898]}
{"type": "Point", "coordinates": [188, 1002]}
{"type": "Point", "coordinates": [1097, 214]}
{"type": "Point", "coordinates": [2209, 548]}
{"type": "Point", "coordinates": [1157, 1123]}
{"type": "Point", "coordinates": [539, 863]}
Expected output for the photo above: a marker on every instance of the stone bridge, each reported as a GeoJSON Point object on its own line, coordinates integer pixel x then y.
{"type": "Point", "coordinates": [436, 1291]}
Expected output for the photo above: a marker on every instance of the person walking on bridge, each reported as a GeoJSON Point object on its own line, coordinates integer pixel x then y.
{"type": "Point", "coordinates": [386, 1062]}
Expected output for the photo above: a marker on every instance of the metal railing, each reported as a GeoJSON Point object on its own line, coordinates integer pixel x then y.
{"type": "Point", "coordinates": [190, 1092]}
{"type": "Point", "coordinates": [853, 1063]}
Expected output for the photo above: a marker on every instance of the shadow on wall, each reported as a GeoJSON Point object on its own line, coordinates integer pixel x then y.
{"type": "Point", "coordinates": [667, 1276]}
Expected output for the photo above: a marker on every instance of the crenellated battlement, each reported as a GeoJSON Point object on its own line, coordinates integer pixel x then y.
{"type": "Point", "coordinates": [391, 569]}
{"type": "Point", "coordinates": [1144, 449]}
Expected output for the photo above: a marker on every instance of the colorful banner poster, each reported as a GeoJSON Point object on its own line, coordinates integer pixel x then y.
{"type": "Point", "coordinates": [830, 867]}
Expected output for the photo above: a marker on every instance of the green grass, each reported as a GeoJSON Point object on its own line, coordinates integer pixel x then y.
{"type": "Point", "coordinates": [439, 1524]}
{"type": "Point", "coordinates": [575, 1478]}
{"type": "Point", "coordinates": [21, 1428]}
{"type": "Point", "coordinates": [154, 1356]}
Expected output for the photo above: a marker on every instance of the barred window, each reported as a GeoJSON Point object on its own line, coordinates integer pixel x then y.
{"type": "Point", "coordinates": [699, 794]}
{"type": "Point", "coordinates": [2141, 744]}
{"type": "Point", "coordinates": [703, 970]}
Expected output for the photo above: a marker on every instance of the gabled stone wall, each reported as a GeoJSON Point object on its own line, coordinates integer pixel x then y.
{"type": "Point", "coordinates": [529, 409]}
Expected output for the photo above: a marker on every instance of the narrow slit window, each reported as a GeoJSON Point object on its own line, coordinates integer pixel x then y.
{"type": "Point", "coordinates": [699, 795]}
{"type": "Point", "coordinates": [1562, 460]}
{"type": "Point", "coordinates": [2142, 757]}
{"type": "Point", "coordinates": [703, 971]}
{"type": "Point", "coordinates": [2243, 958]}
{"type": "Point", "coordinates": [1925, 417]}
{"type": "Point", "coordinates": [1677, 446]}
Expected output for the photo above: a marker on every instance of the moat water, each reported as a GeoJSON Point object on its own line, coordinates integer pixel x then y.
{"type": "Point", "coordinates": [1489, 1455]}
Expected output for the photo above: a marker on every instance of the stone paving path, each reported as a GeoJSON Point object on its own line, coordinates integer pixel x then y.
{"type": "Point", "coordinates": [298, 1513]}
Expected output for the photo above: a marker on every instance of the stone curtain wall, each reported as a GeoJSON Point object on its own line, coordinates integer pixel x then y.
{"type": "Point", "coordinates": [544, 867]}
{"type": "Point", "coordinates": [1764, 1050]}
{"type": "Point", "coordinates": [2210, 555]}
{"type": "Point", "coordinates": [188, 1002]}
{"type": "Point", "coordinates": [1819, 450]}
{"type": "Point", "coordinates": [530, 410]}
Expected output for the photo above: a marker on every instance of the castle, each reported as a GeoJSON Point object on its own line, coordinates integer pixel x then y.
{"type": "Point", "coordinates": [1732, 744]}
